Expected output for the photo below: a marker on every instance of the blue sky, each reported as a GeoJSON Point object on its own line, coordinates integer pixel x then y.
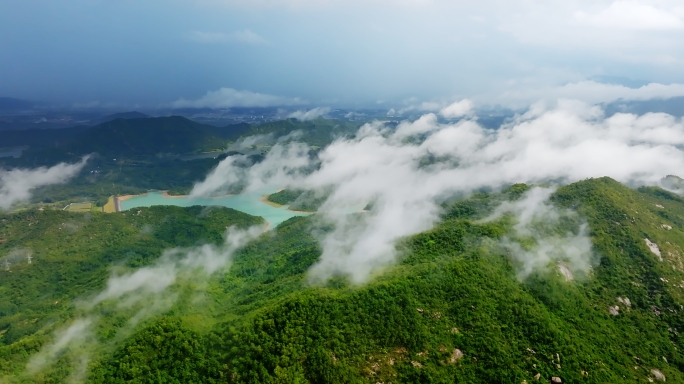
{"type": "Point", "coordinates": [335, 52]}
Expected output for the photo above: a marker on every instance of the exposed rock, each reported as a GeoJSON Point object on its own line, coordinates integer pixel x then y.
{"type": "Point", "coordinates": [654, 248]}
{"type": "Point", "coordinates": [420, 310]}
{"type": "Point", "coordinates": [658, 375]}
{"type": "Point", "coordinates": [665, 226]}
{"type": "Point", "coordinates": [625, 301]}
{"type": "Point", "coordinates": [455, 356]}
{"type": "Point", "coordinates": [659, 206]}
{"type": "Point", "coordinates": [565, 271]}
{"type": "Point", "coordinates": [537, 376]}
{"type": "Point", "coordinates": [454, 330]}
{"type": "Point", "coordinates": [417, 364]}
{"type": "Point", "coordinates": [614, 310]}
{"type": "Point", "coordinates": [556, 380]}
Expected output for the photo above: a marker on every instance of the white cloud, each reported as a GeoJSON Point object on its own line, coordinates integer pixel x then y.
{"type": "Point", "coordinates": [587, 91]}
{"type": "Point", "coordinates": [538, 219]}
{"type": "Point", "coordinates": [630, 14]}
{"type": "Point", "coordinates": [283, 163]}
{"type": "Point", "coordinates": [238, 37]}
{"type": "Point", "coordinates": [230, 98]}
{"type": "Point", "coordinates": [311, 114]}
{"type": "Point", "coordinates": [458, 109]}
{"type": "Point", "coordinates": [16, 184]}
{"type": "Point", "coordinates": [573, 141]}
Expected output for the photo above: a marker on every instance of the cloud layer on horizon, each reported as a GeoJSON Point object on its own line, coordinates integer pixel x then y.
{"type": "Point", "coordinates": [230, 98]}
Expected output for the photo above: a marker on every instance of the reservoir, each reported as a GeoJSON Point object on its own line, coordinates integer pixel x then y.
{"type": "Point", "coordinates": [249, 202]}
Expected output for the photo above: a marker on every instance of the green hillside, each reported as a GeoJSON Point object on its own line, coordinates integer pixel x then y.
{"type": "Point", "coordinates": [453, 309]}
{"type": "Point", "coordinates": [148, 136]}
{"type": "Point", "coordinates": [40, 138]}
{"type": "Point", "coordinates": [298, 200]}
{"type": "Point", "coordinates": [133, 138]}
{"type": "Point", "coordinates": [318, 132]}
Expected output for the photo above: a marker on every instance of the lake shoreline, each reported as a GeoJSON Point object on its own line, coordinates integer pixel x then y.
{"type": "Point", "coordinates": [166, 194]}
{"type": "Point", "coordinates": [252, 203]}
{"type": "Point", "coordinates": [264, 199]}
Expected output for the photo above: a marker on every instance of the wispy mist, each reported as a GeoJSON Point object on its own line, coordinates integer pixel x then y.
{"type": "Point", "coordinates": [141, 294]}
{"type": "Point", "coordinates": [555, 243]}
{"type": "Point", "coordinates": [311, 114]}
{"type": "Point", "coordinates": [16, 256]}
{"type": "Point", "coordinates": [16, 184]}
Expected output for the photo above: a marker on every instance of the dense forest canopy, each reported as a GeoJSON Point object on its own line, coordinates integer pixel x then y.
{"type": "Point", "coordinates": [454, 309]}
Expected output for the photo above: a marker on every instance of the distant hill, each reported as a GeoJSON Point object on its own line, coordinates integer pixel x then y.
{"type": "Point", "coordinates": [148, 136]}
{"type": "Point", "coordinates": [319, 132]}
{"type": "Point", "coordinates": [230, 132]}
{"type": "Point", "coordinates": [123, 115]}
{"type": "Point", "coordinates": [673, 106]}
{"type": "Point", "coordinates": [151, 136]}
{"type": "Point", "coordinates": [10, 104]}
{"type": "Point", "coordinates": [119, 138]}
{"type": "Point", "coordinates": [40, 138]}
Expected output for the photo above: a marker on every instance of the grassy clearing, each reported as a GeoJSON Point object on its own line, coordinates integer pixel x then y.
{"type": "Point", "coordinates": [109, 207]}
{"type": "Point", "coordinates": [80, 207]}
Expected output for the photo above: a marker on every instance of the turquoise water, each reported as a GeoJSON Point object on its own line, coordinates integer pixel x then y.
{"type": "Point", "coordinates": [246, 202]}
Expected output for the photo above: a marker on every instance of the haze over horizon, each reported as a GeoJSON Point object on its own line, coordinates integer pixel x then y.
{"type": "Point", "coordinates": [406, 54]}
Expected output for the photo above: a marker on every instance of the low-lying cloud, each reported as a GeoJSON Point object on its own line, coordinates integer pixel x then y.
{"type": "Point", "coordinates": [232, 98]}
{"type": "Point", "coordinates": [589, 91]}
{"type": "Point", "coordinates": [569, 142]}
{"type": "Point", "coordinates": [141, 294]}
{"type": "Point", "coordinates": [16, 184]}
{"type": "Point", "coordinates": [311, 114]}
{"type": "Point", "coordinates": [567, 249]}
{"type": "Point", "coordinates": [16, 256]}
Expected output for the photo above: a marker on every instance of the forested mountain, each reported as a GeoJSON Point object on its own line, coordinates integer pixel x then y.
{"type": "Point", "coordinates": [454, 309]}
{"type": "Point", "coordinates": [127, 138]}
{"type": "Point", "coordinates": [147, 137]}
{"type": "Point", "coordinates": [11, 104]}
{"type": "Point", "coordinates": [318, 132]}
{"type": "Point", "coordinates": [123, 115]}
{"type": "Point", "coordinates": [41, 138]}
{"type": "Point", "coordinates": [139, 138]}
